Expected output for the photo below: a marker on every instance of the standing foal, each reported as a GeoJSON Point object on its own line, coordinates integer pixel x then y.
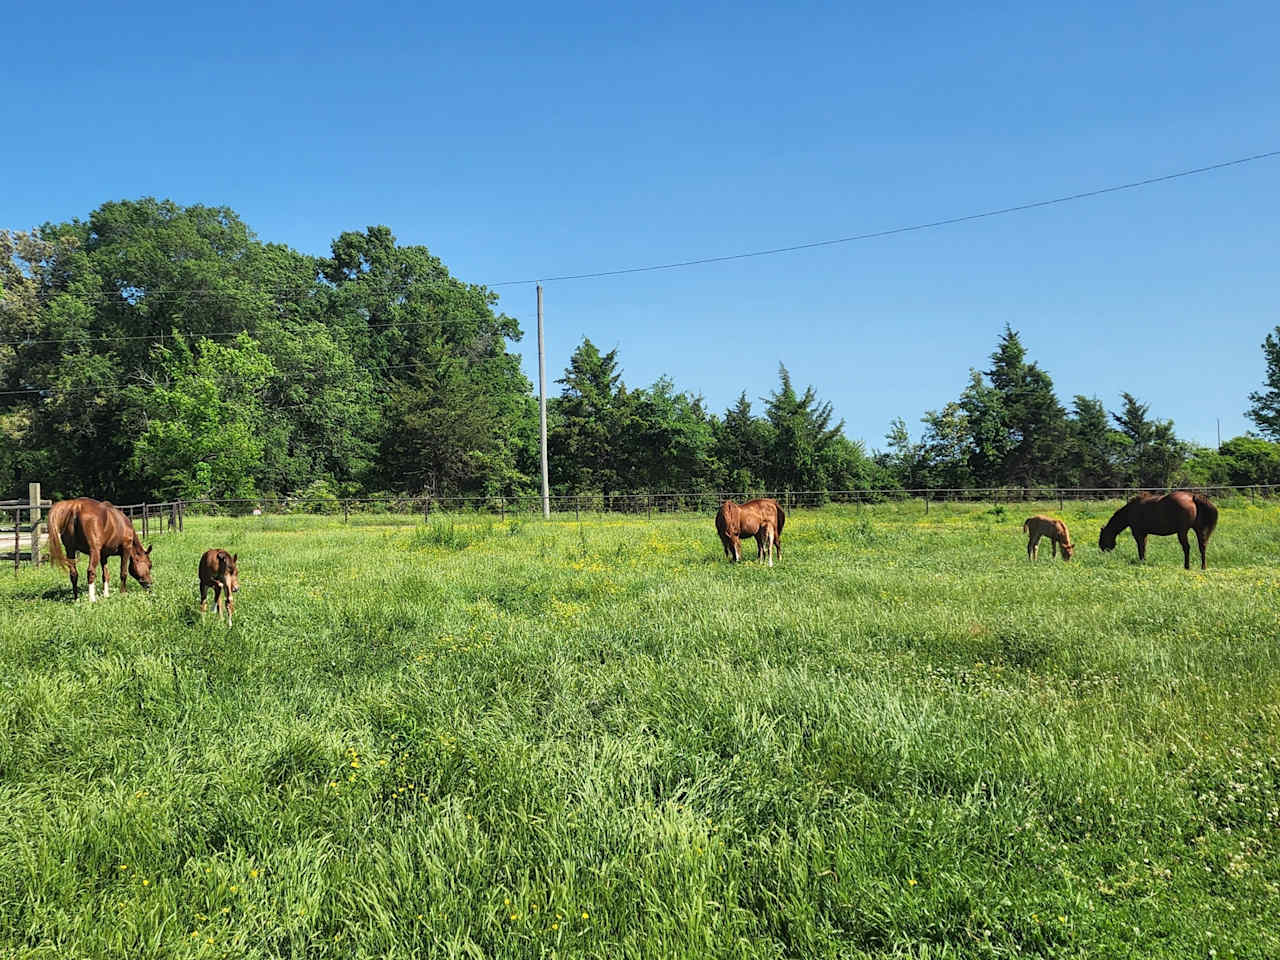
{"type": "Point", "coordinates": [1039, 526]}
{"type": "Point", "coordinates": [218, 569]}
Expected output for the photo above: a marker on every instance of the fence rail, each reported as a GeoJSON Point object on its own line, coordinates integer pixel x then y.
{"type": "Point", "coordinates": [27, 541]}
{"type": "Point", "coordinates": [24, 532]}
{"type": "Point", "coordinates": [690, 501]}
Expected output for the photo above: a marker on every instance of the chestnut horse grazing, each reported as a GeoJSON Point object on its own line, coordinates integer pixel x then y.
{"type": "Point", "coordinates": [100, 530]}
{"type": "Point", "coordinates": [219, 570]}
{"type": "Point", "coordinates": [1039, 526]}
{"type": "Point", "coordinates": [762, 519]}
{"type": "Point", "coordinates": [1175, 512]}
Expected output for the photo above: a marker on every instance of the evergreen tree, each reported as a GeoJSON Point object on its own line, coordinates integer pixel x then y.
{"type": "Point", "coordinates": [1150, 451]}
{"type": "Point", "coordinates": [1264, 404]}
{"type": "Point", "coordinates": [1092, 446]}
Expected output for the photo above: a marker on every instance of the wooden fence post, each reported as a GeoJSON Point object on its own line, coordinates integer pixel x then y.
{"type": "Point", "coordinates": [17, 526]}
{"type": "Point", "coordinates": [33, 494]}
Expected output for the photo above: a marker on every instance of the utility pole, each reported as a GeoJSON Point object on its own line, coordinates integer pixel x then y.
{"type": "Point", "coordinates": [542, 412]}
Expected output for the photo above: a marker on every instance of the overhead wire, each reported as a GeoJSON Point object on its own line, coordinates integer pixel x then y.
{"type": "Point", "coordinates": [910, 228]}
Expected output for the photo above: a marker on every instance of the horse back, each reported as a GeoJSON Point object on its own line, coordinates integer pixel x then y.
{"type": "Point", "coordinates": [213, 564]}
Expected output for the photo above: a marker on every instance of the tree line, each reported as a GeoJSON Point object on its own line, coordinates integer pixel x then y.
{"type": "Point", "coordinates": [154, 351]}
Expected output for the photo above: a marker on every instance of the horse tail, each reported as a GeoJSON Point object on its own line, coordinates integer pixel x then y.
{"type": "Point", "coordinates": [1026, 525]}
{"type": "Point", "coordinates": [1206, 514]}
{"type": "Point", "coordinates": [57, 515]}
{"type": "Point", "coordinates": [777, 534]}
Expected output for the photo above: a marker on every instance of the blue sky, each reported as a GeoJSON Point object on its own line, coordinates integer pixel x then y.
{"type": "Point", "coordinates": [520, 140]}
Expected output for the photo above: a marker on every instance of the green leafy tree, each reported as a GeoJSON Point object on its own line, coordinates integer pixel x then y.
{"type": "Point", "coordinates": [903, 461]}
{"type": "Point", "coordinates": [670, 443]}
{"type": "Point", "coordinates": [1264, 404]}
{"type": "Point", "coordinates": [988, 442]}
{"type": "Point", "coordinates": [946, 448]}
{"type": "Point", "coordinates": [202, 436]}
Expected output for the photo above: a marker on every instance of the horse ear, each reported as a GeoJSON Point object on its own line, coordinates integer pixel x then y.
{"type": "Point", "coordinates": [148, 550]}
{"type": "Point", "coordinates": [235, 557]}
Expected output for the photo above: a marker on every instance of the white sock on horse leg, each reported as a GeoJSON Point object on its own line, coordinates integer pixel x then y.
{"type": "Point", "coordinates": [93, 593]}
{"type": "Point", "coordinates": [106, 589]}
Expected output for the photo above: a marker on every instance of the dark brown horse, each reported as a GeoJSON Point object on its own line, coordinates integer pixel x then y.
{"type": "Point", "coordinates": [762, 519]}
{"type": "Point", "coordinates": [100, 530]}
{"type": "Point", "coordinates": [1175, 512]}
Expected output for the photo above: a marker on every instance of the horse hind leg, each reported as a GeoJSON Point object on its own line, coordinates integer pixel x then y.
{"type": "Point", "coordinates": [95, 562]}
{"type": "Point", "coordinates": [1202, 541]}
{"type": "Point", "coordinates": [73, 571]}
{"type": "Point", "coordinates": [1186, 549]}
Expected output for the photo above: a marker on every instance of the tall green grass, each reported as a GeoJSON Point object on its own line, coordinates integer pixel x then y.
{"type": "Point", "coordinates": [473, 737]}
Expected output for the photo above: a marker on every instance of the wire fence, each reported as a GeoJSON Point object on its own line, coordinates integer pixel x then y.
{"type": "Point", "coordinates": [24, 534]}
{"type": "Point", "coordinates": [574, 505]}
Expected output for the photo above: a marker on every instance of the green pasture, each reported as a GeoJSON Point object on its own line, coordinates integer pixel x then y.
{"type": "Point", "coordinates": [477, 737]}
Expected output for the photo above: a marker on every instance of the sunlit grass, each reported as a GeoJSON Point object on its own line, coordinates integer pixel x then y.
{"type": "Point", "coordinates": [477, 736]}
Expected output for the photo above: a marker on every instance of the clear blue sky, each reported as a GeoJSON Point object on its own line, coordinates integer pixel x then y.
{"type": "Point", "coordinates": [526, 140]}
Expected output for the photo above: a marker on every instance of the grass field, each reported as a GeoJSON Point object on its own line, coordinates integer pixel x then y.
{"type": "Point", "coordinates": [478, 738]}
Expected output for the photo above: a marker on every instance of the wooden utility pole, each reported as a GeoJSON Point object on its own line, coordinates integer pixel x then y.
{"type": "Point", "coordinates": [542, 412]}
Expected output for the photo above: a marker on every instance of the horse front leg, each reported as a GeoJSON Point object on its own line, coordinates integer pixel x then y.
{"type": "Point", "coordinates": [1141, 541]}
{"type": "Point", "coordinates": [1186, 549]}
{"type": "Point", "coordinates": [124, 571]}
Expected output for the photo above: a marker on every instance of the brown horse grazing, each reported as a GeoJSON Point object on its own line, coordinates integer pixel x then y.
{"type": "Point", "coordinates": [219, 570]}
{"type": "Point", "coordinates": [762, 519]}
{"type": "Point", "coordinates": [1039, 526]}
{"type": "Point", "coordinates": [1175, 512]}
{"type": "Point", "coordinates": [100, 530]}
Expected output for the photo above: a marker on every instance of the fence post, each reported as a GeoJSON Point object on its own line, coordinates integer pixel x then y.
{"type": "Point", "coordinates": [346, 511]}
{"type": "Point", "coordinates": [502, 507]}
{"type": "Point", "coordinates": [33, 494]}
{"type": "Point", "coordinates": [17, 525]}
{"type": "Point", "coordinates": [1061, 505]}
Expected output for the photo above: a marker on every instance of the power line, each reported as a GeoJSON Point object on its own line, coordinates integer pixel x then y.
{"type": "Point", "coordinates": [893, 231]}
{"type": "Point", "coordinates": [1132, 185]}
